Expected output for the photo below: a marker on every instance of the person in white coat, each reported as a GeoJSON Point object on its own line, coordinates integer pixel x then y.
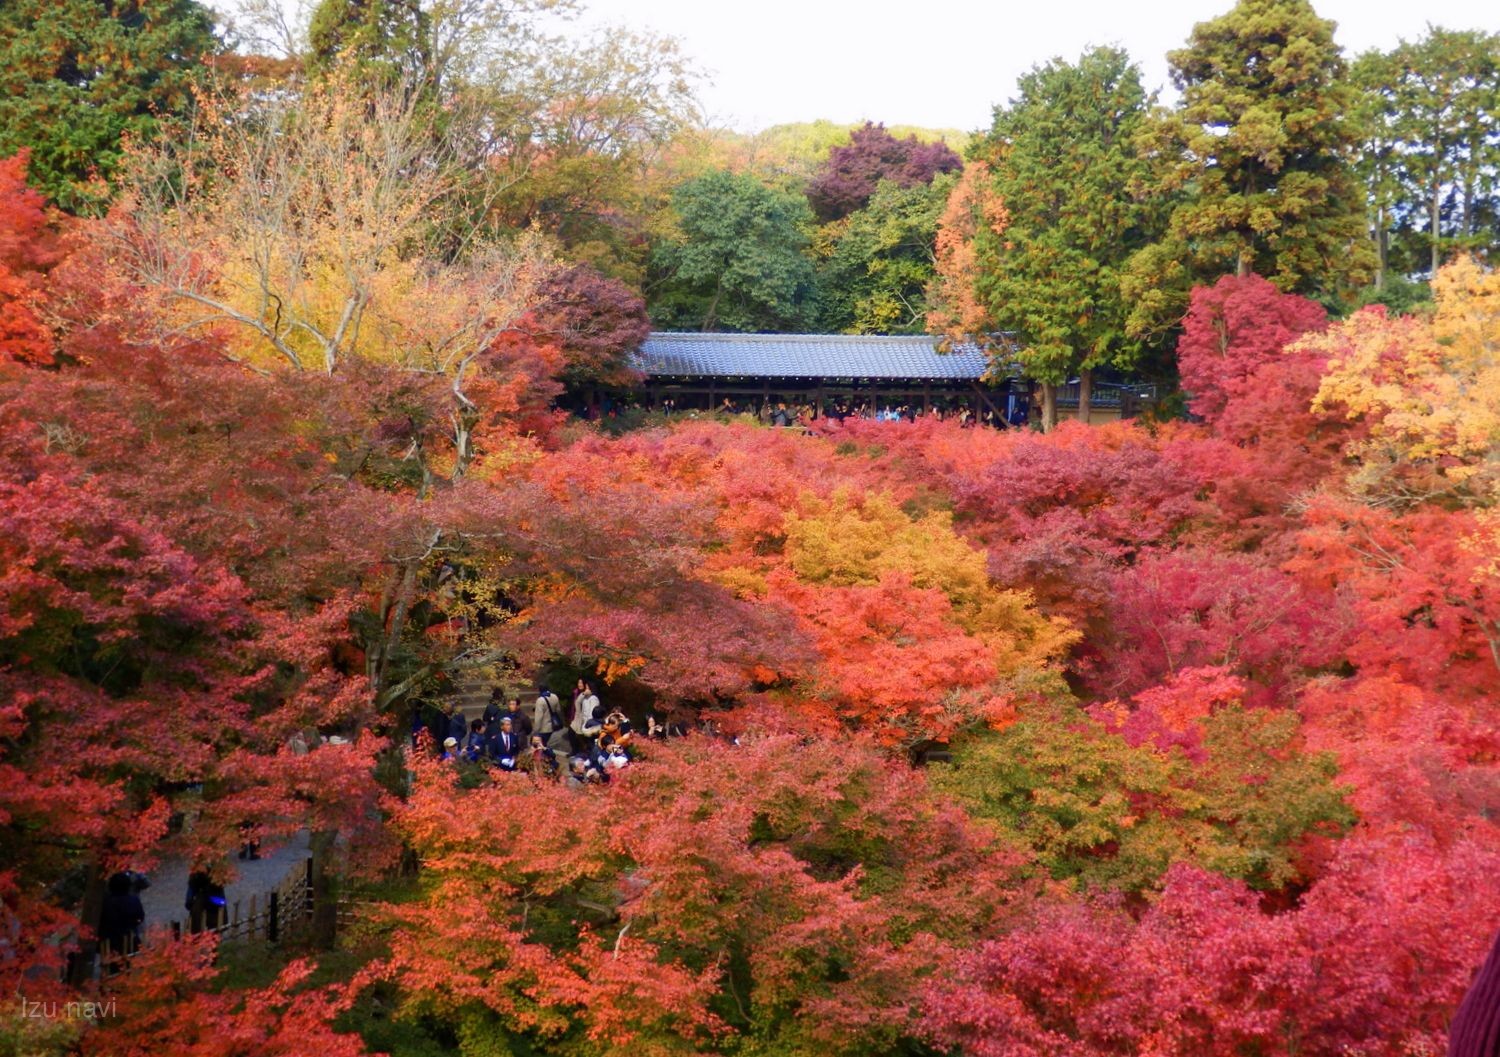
{"type": "Point", "coordinates": [585, 715]}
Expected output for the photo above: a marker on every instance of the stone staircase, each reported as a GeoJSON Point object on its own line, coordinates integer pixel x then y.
{"type": "Point", "coordinates": [471, 691]}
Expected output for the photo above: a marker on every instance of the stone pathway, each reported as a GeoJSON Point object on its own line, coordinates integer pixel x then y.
{"type": "Point", "coordinates": [164, 899]}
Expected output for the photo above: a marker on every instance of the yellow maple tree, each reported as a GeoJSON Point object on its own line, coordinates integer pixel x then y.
{"type": "Point", "coordinates": [1427, 392]}
{"type": "Point", "coordinates": [850, 540]}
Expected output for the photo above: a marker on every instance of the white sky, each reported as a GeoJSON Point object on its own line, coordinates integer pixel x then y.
{"type": "Point", "coordinates": [945, 63]}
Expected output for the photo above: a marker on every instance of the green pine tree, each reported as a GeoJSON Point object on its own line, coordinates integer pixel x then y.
{"type": "Point", "coordinates": [1262, 146]}
{"type": "Point", "coordinates": [386, 41]}
{"type": "Point", "coordinates": [1066, 164]}
{"type": "Point", "coordinates": [1446, 106]}
{"type": "Point", "coordinates": [77, 76]}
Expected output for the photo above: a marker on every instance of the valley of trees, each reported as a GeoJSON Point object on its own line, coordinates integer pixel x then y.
{"type": "Point", "coordinates": [1175, 737]}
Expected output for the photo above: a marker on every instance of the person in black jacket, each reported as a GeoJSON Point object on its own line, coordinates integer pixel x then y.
{"type": "Point", "coordinates": [205, 901]}
{"type": "Point", "coordinates": [520, 722]}
{"type": "Point", "coordinates": [121, 918]}
{"type": "Point", "coordinates": [458, 727]}
{"type": "Point", "coordinates": [492, 712]}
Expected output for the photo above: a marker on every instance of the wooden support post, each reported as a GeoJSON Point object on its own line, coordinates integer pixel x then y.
{"type": "Point", "coordinates": [273, 931]}
{"type": "Point", "coordinates": [982, 395]}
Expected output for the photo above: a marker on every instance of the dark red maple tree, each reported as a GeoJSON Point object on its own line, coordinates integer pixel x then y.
{"type": "Point", "coordinates": [848, 178]}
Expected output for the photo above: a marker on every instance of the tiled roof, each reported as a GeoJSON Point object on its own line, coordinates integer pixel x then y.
{"type": "Point", "coordinates": [806, 356]}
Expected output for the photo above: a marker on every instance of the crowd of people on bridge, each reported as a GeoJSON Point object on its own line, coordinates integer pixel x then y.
{"type": "Point", "coordinates": [578, 741]}
{"type": "Point", "coordinates": [804, 415]}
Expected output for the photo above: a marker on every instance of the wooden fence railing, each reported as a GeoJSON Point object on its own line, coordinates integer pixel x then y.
{"type": "Point", "coordinates": [283, 913]}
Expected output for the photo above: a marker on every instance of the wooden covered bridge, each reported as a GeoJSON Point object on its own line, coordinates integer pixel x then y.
{"type": "Point", "coordinates": [829, 372]}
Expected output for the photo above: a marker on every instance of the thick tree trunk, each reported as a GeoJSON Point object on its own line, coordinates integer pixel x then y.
{"type": "Point", "coordinates": [713, 306]}
{"type": "Point", "coordinates": [1471, 179]}
{"type": "Point", "coordinates": [324, 895]}
{"type": "Point", "coordinates": [1049, 407]}
{"type": "Point", "coordinates": [1085, 394]}
{"type": "Point", "coordinates": [81, 964]}
{"type": "Point", "coordinates": [1382, 249]}
{"type": "Point", "coordinates": [1437, 205]}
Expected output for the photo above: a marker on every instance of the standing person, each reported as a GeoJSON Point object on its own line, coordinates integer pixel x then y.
{"type": "Point", "coordinates": [121, 918]}
{"type": "Point", "coordinates": [205, 901]}
{"type": "Point", "coordinates": [585, 723]}
{"type": "Point", "coordinates": [491, 715]}
{"type": "Point", "coordinates": [547, 718]}
{"type": "Point", "coordinates": [249, 842]}
{"type": "Point", "coordinates": [458, 727]}
{"type": "Point", "coordinates": [507, 746]}
{"type": "Point", "coordinates": [520, 722]}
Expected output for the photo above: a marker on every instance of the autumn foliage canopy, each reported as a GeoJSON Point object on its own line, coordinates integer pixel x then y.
{"type": "Point", "coordinates": [1141, 739]}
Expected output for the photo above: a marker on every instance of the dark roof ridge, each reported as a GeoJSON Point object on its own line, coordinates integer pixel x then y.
{"type": "Point", "coordinates": [722, 336]}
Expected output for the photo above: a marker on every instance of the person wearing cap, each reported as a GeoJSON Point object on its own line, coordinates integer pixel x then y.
{"type": "Point", "coordinates": [450, 749]}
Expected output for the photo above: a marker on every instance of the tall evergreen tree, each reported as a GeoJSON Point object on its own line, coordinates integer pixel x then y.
{"type": "Point", "coordinates": [1263, 144]}
{"type": "Point", "coordinates": [78, 75]}
{"type": "Point", "coordinates": [387, 40]}
{"type": "Point", "coordinates": [1066, 164]}
{"type": "Point", "coordinates": [1379, 163]}
{"type": "Point", "coordinates": [1446, 98]}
